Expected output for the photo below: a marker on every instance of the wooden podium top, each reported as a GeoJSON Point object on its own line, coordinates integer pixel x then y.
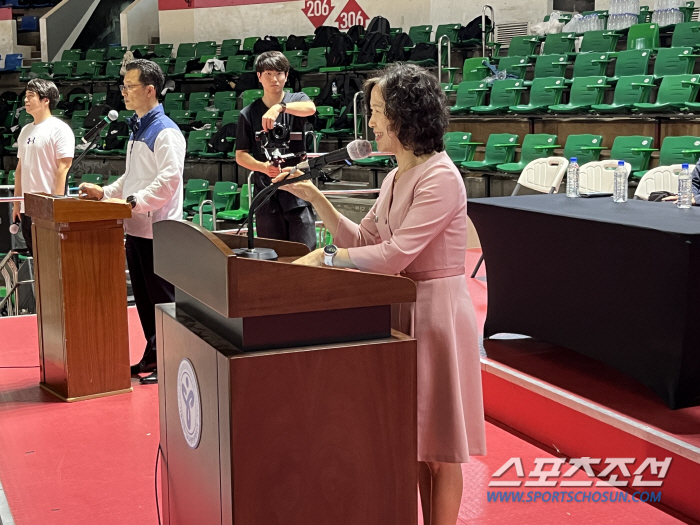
{"type": "Point", "coordinates": [202, 264]}
{"type": "Point", "coordinates": [63, 209]}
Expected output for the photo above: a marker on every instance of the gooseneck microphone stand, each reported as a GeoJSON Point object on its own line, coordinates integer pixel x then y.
{"type": "Point", "coordinates": [268, 254]}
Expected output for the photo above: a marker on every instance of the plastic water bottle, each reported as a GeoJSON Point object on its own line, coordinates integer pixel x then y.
{"type": "Point", "coordinates": [572, 179]}
{"type": "Point", "coordinates": [334, 89]}
{"type": "Point", "coordinates": [620, 185]}
{"type": "Point", "coordinates": [685, 195]}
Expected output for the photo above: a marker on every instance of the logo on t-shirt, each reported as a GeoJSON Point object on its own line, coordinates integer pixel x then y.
{"type": "Point", "coordinates": [30, 140]}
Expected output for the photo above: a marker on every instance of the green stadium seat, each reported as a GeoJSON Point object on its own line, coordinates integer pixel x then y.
{"type": "Point", "coordinates": [500, 149]}
{"type": "Point", "coordinates": [249, 44]}
{"type": "Point", "coordinates": [472, 69]}
{"type": "Point", "coordinates": [207, 117]}
{"type": "Point", "coordinates": [197, 144]}
{"type": "Point", "coordinates": [586, 148]}
{"type": "Point", "coordinates": [591, 64]}
{"type": "Point", "coordinates": [24, 119]}
{"type": "Point", "coordinates": [173, 101]}
{"type": "Point", "coordinates": [203, 49]}
{"type": "Point", "coordinates": [180, 67]}
{"type": "Point", "coordinates": [186, 50]}
{"type": "Point", "coordinates": [11, 177]}
{"type": "Point", "coordinates": [686, 35]}
{"type": "Point", "coordinates": [514, 66]}
{"type": "Point", "coordinates": [599, 41]}
{"type": "Point", "coordinates": [535, 146]}
{"type": "Point", "coordinates": [230, 47]}
{"type": "Point", "coordinates": [295, 57]}
{"type": "Point", "coordinates": [338, 69]}
{"type": "Point", "coordinates": [312, 92]}
{"type": "Point", "coordinates": [239, 64]}
{"type": "Point", "coordinates": [225, 100]}
{"type": "Point", "coordinates": [181, 116]}
{"type": "Point", "coordinates": [86, 70]}
{"type": "Point", "coordinates": [198, 101]}
{"type": "Point", "coordinates": [239, 213]}
{"type": "Point", "coordinates": [550, 66]}
{"type": "Point", "coordinates": [632, 62]}
{"type": "Point", "coordinates": [674, 61]}
{"type": "Point", "coordinates": [635, 150]}
{"type": "Point", "coordinates": [677, 150]}
{"type": "Point", "coordinates": [195, 191]}
{"type": "Point", "coordinates": [58, 113]}
{"type": "Point", "coordinates": [504, 94]}
{"type": "Point", "coordinates": [230, 117]}
{"type": "Point", "coordinates": [643, 36]}
{"type": "Point", "coordinates": [115, 52]}
{"type": "Point", "coordinates": [71, 55]}
{"type": "Point", "coordinates": [164, 64]}
{"type": "Point", "coordinates": [585, 92]}
{"type": "Point", "coordinates": [223, 196]}
{"type": "Point", "coordinates": [63, 69]}
{"type": "Point", "coordinates": [36, 70]}
{"type": "Point", "coordinates": [544, 92]}
{"type": "Point", "coordinates": [420, 34]}
{"type": "Point", "coordinates": [112, 179]}
{"type": "Point", "coordinates": [207, 220]}
{"type": "Point", "coordinates": [451, 31]}
{"type": "Point", "coordinates": [92, 178]}
{"type": "Point", "coordinates": [315, 60]}
{"type": "Point", "coordinates": [523, 46]}
{"type": "Point", "coordinates": [112, 70]}
{"type": "Point", "coordinates": [98, 98]}
{"type": "Point", "coordinates": [628, 92]}
{"type": "Point", "coordinates": [97, 54]}
{"type": "Point", "coordinates": [250, 95]}
{"type": "Point", "coordinates": [559, 44]}
{"type": "Point", "coordinates": [469, 94]}
{"type": "Point", "coordinates": [163, 50]}
{"type": "Point", "coordinates": [78, 118]}
{"type": "Point", "coordinates": [675, 92]}
{"type": "Point", "coordinates": [141, 48]}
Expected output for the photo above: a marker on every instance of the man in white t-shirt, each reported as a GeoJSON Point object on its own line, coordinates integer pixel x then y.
{"type": "Point", "coordinates": [45, 150]}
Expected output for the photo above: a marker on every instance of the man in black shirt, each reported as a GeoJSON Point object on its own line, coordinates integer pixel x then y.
{"type": "Point", "coordinates": [284, 216]}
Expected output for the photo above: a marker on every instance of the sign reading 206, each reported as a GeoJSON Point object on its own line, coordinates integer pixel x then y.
{"type": "Point", "coordinates": [317, 11]}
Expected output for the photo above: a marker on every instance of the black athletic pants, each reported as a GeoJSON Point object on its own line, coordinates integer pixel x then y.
{"type": "Point", "coordinates": [149, 289]}
{"type": "Point", "coordinates": [296, 225]}
{"type": "Point", "coordinates": [26, 225]}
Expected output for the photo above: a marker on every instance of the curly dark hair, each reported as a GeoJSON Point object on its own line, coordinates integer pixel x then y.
{"type": "Point", "coordinates": [415, 105]}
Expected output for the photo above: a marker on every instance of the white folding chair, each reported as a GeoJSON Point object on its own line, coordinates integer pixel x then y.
{"type": "Point", "coordinates": [544, 175]}
{"type": "Point", "coordinates": [599, 176]}
{"type": "Point", "coordinates": [662, 178]}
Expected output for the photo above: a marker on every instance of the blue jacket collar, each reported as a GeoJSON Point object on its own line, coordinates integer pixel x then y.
{"type": "Point", "coordinates": [137, 124]}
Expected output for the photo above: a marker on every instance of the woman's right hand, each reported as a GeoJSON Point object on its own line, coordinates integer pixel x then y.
{"type": "Point", "coordinates": [304, 190]}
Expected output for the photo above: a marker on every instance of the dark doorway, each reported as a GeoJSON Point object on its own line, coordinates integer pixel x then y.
{"type": "Point", "coordinates": [570, 6]}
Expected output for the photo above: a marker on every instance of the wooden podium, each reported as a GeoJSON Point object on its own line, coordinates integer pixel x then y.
{"type": "Point", "coordinates": [285, 397]}
{"type": "Point", "coordinates": [81, 295]}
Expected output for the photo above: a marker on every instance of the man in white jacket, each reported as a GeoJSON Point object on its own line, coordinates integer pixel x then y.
{"type": "Point", "coordinates": [152, 184]}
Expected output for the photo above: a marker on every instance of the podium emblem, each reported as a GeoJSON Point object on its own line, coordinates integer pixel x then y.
{"type": "Point", "coordinates": [189, 403]}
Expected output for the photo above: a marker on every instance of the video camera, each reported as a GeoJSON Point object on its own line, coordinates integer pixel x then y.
{"type": "Point", "coordinates": [275, 143]}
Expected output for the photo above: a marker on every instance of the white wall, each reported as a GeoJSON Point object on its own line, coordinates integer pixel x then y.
{"type": "Point", "coordinates": [139, 22]}
{"type": "Point", "coordinates": [219, 23]}
{"type": "Point", "coordinates": [8, 36]}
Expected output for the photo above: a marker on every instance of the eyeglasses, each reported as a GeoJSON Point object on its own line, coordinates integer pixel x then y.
{"type": "Point", "coordinates": [129, 88]}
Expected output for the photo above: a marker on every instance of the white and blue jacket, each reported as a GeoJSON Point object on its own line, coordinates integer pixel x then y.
{"type": "Point", "coordinates": [155, 161]}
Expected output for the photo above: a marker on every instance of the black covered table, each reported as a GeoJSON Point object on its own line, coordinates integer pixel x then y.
{"type": "Point", "coordinates": [619, 282]}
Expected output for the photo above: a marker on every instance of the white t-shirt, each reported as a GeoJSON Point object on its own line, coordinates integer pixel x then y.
{"type": "Point", "coordinates": [39, 147]}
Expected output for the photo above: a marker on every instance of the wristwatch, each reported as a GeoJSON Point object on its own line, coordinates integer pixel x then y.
{"type": "Point", "coordinates": [329, 253]}
{"type": "Point", "coordinates": [131, 200]}
{"type": "Point", "coordinates": [284, 107]}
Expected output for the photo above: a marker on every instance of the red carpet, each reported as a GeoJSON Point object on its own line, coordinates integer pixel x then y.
{"type": "Point", "coordinates": [92, 462]}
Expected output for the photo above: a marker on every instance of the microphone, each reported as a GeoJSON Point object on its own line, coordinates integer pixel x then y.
{"type": "Point", "coordinates": [14, 228]}
{"type": "Point", "coordinates": [356, 150]}
{"type": "Point", "coordinates": [95, 131]}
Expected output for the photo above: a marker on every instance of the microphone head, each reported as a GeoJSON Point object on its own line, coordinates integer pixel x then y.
{"type": "Point", "coordinates": [14, 229]}
{"type": "Point", "coordinates": [112, 115]}
{"type": "Point", "coordinates": [359, 149]}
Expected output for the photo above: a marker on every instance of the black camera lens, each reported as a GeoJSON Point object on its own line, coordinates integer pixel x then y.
{"type": "Point", "coordinates": [279, 131]}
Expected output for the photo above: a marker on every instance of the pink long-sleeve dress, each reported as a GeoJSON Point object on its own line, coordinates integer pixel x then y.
{"type": "Point", "coordinates": [418, 228]}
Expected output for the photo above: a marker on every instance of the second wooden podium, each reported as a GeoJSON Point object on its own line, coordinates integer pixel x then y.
{"type": "Point", "coordinates": [285, 397]}
{"type": "Point", "coordinates": [80, 286]}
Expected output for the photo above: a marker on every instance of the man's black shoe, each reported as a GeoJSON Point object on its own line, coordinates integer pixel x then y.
{"type": "Point", "coordinates": [151, 379]}
{"type": "Point", "coordinates": [142, 367]}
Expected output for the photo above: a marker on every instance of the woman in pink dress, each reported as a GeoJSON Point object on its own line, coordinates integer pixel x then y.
{"type": "Point", "coordinates": [418, 228]}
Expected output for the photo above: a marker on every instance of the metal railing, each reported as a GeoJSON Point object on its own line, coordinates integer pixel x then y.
{"type": "Point", "coordinates": [213, 213]}
{"type": "Point", "coordinates": [449, 55]}
{"type": "Point", "coordinates": [483, 27]}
